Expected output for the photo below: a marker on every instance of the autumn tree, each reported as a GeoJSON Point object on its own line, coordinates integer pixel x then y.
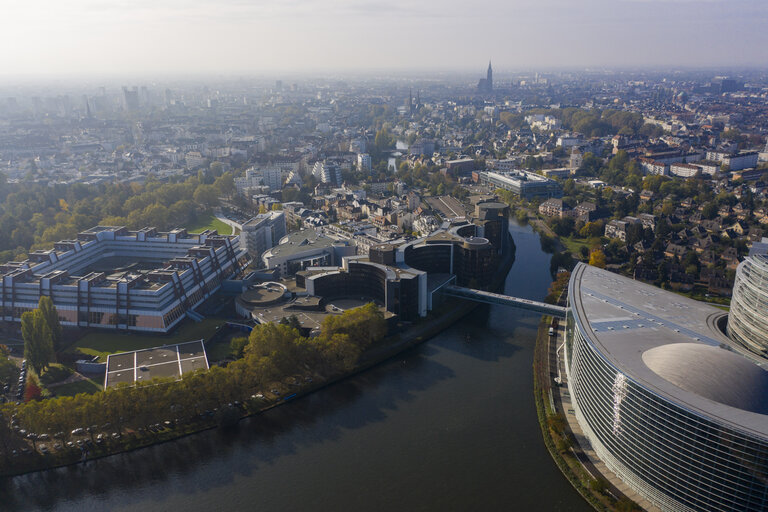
{"type": "Point", "coordinates": [32, 390]}
{"type": "Point", "coordinates": [597, 258]}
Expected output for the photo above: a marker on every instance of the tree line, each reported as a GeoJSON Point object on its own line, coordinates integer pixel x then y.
{"type": "Point", "coordinates": [273, 354]}
{"type": "Point", "coordinates": [34, 215]}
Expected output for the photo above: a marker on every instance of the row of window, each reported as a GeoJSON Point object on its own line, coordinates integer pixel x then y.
{"type": "Point", "coordinates": [676, 459]}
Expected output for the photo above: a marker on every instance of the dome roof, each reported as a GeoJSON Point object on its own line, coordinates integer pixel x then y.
{"type": "Point", "coordinates": [713, 373]}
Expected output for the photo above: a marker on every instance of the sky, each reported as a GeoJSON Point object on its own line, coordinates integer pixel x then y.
{"type": "Point", "coordinates": [99, 37]}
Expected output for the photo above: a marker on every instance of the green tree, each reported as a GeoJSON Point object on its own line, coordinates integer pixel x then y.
{"type": "Point", "coordinates": [38, 340]}
{"type": "Point", "coordinates": [207, 195]}
{"type": "Point", "coordinates": [8, 369]}
{"type": "Point", "coordinates": [216, 168]}
{"type": "Point", "coordinates": [237, 345]}
{"type": "Point", "coordinates": [225, 184]}
{"type": "Point", "coordinates": [291, 321]}
{"type": "Point", "coordinates": [46, 307]}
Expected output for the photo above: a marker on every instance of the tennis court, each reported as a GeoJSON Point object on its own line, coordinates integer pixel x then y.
{"type": "Point", "coordinates": [147, 364]}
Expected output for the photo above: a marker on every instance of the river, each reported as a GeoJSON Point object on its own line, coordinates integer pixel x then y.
{"type": "Point", "coordinates": [449, 425]}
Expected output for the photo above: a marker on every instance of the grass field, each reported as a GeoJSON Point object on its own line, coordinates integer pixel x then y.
{"type": "Point", "coordinates": [103, 343]}
{"type": "Point", "coordinates": [574, 245]}
{"type": "Point", "coordinates": [81, 386]}
{"type": "Point", "coordinates": [210, 222]}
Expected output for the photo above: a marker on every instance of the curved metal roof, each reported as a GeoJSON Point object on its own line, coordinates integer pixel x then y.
{"type": "Point", "coordinates": [635, 326]}
{"type": "Point", "coordinates": [713, 373]}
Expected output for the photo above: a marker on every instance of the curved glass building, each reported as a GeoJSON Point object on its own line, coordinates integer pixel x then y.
{"type": "Point", "coordinates": [748, 319]}
{"type": "Point", "coordinates": [670, 406]}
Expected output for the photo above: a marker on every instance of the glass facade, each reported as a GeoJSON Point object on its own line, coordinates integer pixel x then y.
{"type": "Point", "coordinates": [674, 457]}
{"type": "Point", "coordinates": [748, 317]}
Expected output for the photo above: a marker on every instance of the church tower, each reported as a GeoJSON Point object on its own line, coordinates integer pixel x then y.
{"type": "Point", "coordinates": [489, 78]}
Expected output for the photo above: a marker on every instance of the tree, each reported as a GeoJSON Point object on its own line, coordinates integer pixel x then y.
{"type": "Point", "coordinates": [207, 195]}
{"type": "Point", "coordinates": [562, 226]}
{"type": "Point", "coordinates": [291, 321]}
{"type": "Point", "coordinates": [597, 258]}
{"type": "Point", "coordinates": [225, 184]}
{"type": "Point", "coordinates": [216, 168]}
{"type": "Point", "coordinates": [38, 340]}
{"type": "Point", "coordinates": [46, 307]}
{"type": "Point", "coordinates": [237, 345]}
{"type": "Point", "coordinates": [8, 369]}
{"type": "Point", "coordinates": [32, 391]}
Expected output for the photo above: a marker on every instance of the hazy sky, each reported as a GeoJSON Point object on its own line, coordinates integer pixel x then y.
{"type": "Point", "coordinates": [262, 36]}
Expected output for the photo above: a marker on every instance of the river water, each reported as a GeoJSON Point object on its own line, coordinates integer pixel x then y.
{"type": "Point", "coordinates": [449, 425]}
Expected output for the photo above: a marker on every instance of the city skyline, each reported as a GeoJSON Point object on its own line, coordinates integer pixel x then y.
{"type": "Point", "coordinates": [88, 38]}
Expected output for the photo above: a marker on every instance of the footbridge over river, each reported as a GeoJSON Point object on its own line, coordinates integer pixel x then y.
{"type": "Point", "coordinates": [504, 300]}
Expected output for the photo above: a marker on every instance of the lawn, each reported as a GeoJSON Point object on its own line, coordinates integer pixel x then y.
{"type": "Point", "coordinates": [103, 343]}
{"type": "Point", "coordinates": [574, 245]}
{"type": "Point", "coordinates": [210, 222]}
{"type": "Point", "coordinates": [81, 386]}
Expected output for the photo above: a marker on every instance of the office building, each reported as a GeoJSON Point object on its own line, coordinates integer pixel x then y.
{"type": "Point", "coordinates": [401, 291]}
{"type": "Point", "coordinates": [748, 318]}
{"type": "Point", "coordinates": [111, 277]}
{"type": "Point", "coordinates": [666, 400]}
{"type": "Point", "coordinates": [303, 249]}
{"type": "Point", "coordinates": [522, 183]}
{"type": "Point", "coordinates": [263, 232]}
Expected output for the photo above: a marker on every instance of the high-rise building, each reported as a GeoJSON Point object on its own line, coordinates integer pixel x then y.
{"type": "Point", "coordinates": [263, 232]}
{"type": "Point", "coordinates": [364, 162]}
{"type": "Point", "coordinates": [272, 178]}
{"type": "Point", "coordinates": [131, 98]}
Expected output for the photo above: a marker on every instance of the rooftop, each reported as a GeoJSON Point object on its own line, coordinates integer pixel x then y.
{"type": "Point", "coordinates": [671, 345]}
{"type": "Point", "coordinates": [300, 241]}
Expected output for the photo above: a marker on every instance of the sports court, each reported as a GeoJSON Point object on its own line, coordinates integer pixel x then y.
{"type": "Point", "coordinates": [147, 364]}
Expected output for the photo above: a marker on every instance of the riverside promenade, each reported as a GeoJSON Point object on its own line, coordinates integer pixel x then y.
{"type": "Point", "coordinates": [561, 400]}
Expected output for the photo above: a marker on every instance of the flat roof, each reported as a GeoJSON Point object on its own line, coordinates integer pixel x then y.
{"type": "Point", "coordinates": [626, 319]}
{"type": "Point", "coordinates": [300, 241]}
{"type": "Point", "coordinates": [147, 364]}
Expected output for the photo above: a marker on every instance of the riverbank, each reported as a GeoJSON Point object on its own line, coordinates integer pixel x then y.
{"type": "Point", "coordinates": [559, 438]}
{"type": "Point", "coordinates": [450, 312]}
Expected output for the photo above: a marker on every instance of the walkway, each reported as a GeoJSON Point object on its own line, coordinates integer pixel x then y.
{"type": "Point", "coordinates": [504, 300]}
{"type": "Point", "coordinates": [583, 450]}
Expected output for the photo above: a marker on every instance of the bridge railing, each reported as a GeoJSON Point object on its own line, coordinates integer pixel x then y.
{"type": "Point", "coordinates": [505, 300]}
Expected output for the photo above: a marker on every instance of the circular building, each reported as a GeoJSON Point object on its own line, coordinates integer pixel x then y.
{"type": "Point", "coordinates": [748, 319]}
{"type": "Point", "coordinates": [673, 408]}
